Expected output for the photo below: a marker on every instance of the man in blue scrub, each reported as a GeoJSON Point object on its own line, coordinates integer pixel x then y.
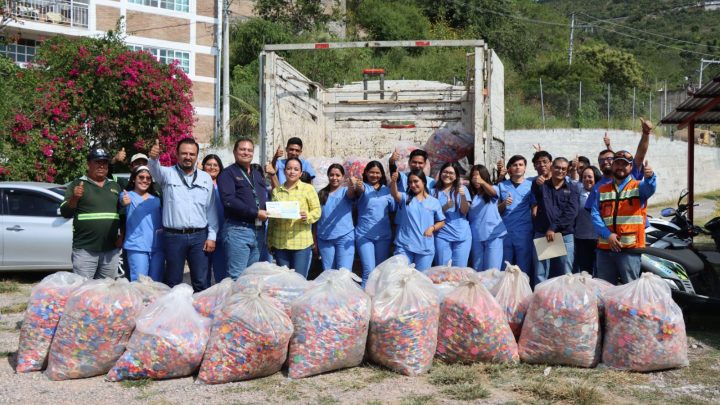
{"type": "Point", "coordinates": [514, 207]}
{"type": "Point", "coordinates": [294, 150]}
{"type": "Point", "coordinates": [417, 160]}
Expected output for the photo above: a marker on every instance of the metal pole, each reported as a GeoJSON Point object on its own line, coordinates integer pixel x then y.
{"type": "Point", "coordinates": [217, 127]}
{"type": "Point", "coordinates": [702, 66]}
{"type": "Point", "coordinates": [542, 103]}
{"type": "Point", "coordinates": [665, 98]}
{"type": "Point", "coordinates": [650, 106]}
{"type": "Point", "coordinates": [226, 73]}
{"type": "Point", "coordinates": [691, 169]}
{"type": "Point", "coordinates": [633, 109]}
{"type": "Point", "coordinates": [608, 106]}
{"type": "Point", "coordinates": [572, 31]}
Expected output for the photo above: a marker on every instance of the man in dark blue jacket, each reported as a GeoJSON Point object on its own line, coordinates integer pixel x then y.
{"type": "Point", "coordinates": [243, 195]}
{"type": "Point", "coordinates": [557, 205]}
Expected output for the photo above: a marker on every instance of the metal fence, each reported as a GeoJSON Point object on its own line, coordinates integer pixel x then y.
{"type": "Point", "coordinates": [64, 12]}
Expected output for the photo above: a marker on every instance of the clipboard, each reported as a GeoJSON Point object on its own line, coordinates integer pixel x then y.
{"type": "Point", "coordinates": [548, 250]}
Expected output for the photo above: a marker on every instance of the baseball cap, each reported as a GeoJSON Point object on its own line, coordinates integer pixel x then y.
{"type": "Point", "coordinates": [98, 154]}
{"type": "Point", "coordinates": [623, 155]}
{"type": "Point", "coordinates": [138, 156]}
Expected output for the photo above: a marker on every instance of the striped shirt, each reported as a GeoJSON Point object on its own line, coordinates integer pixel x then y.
{"type": "Point", "coordinates": [294, 234]}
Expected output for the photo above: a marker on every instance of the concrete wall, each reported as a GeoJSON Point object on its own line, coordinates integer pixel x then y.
{"type": "Point", "coordinates": [668, 158]}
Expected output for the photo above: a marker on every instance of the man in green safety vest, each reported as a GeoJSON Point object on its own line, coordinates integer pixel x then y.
{"type": "Point", "coordinates": [92, 201]}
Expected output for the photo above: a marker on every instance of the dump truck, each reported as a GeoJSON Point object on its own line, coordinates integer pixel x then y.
{"type": "Point", "coordinates": [367, 118]}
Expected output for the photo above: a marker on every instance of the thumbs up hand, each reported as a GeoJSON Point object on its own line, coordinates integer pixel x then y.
{"type": "Point", "coordinates": [125, 199]}
{"type": "Point", "coordinates": [79, 190]}
{"type": "Point", "coordinates": [155, 150]}
{"type": "Point", "coordinates": [120, 156]}
{"type": "Point", "coordinates": [647, 171]}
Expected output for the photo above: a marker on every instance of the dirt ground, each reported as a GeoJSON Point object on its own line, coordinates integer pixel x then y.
{"type": "Point", "coordinates": [369, 384]}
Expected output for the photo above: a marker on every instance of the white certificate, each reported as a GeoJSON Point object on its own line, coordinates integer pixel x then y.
{"type": "Point", "coordinates": [548, 250]}
{"type": "Point", "coordinates": [283, 209]}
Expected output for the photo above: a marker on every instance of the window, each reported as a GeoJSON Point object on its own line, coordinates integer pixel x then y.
{"type": "Point", "coordinates": [167, 56]}
{"type": "Point", "coordinates": [175, 5]}
{"type": "Point", "coordinates": [31, 204]}
{"type": "Point", "coordinates": [22, 51]}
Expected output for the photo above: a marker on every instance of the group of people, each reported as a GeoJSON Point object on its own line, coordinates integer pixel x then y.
{"type": "Point", "coordinates": [216, 217]}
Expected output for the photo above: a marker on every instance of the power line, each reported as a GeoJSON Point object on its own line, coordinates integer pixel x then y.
{"type": "Point", "coordinates": [655, 43]}
{"type": "Point", "coordinates": [648, 32]}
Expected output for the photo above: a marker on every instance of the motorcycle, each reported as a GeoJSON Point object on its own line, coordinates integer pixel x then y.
{"type": "Point", "coordinates": [670, 254]}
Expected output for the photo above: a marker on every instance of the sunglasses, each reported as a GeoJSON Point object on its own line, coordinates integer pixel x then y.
{"type": "Point", "coordinates": [144, 178]}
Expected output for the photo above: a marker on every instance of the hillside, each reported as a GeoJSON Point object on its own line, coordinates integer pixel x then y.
{"type": "Point", "coordinates": [668, 37]}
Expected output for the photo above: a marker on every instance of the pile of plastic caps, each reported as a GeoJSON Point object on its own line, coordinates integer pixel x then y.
{"type": "Point", "coordinates": [321, 165]}
{"type": "Point", "coordinates": [447, 145]}
{"type": "Point", "coordinates": [355, 166]}
{"type": "Point", "coordinates": [271, 319]}
{"type": "Point", "coordinates": [403, 149]}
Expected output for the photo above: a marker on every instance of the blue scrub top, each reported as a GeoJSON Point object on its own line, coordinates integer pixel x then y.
{"type": "Point", "coordinates": [415, 218]}
{"type": "Point", "coordinates": [336, 218]}
{"type": "Point", "coordinates": [280, 167]}
{"type": "Point", "coordinates": [517, 216]}
{"type": "Point", "coordinates": [374, 208]}
{"type": "Point", "coordinates": [485, 221]}
{"type": "Point", "coordinates": [457, 227]}
{"type": "Point", "coordinates": [143, 226]}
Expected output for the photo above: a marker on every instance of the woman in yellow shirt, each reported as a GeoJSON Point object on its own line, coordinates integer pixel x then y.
{"type": "Point", "coordinates": [291, 239]}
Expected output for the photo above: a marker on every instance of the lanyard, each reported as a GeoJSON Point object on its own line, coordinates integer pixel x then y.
{"type": "Point", "coordinates": [182, 177]}
{"type": "Point", "coordinates": [252, 186]}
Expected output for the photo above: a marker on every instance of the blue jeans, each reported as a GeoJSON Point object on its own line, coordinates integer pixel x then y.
{"type": "Point", "coordinates": [337, 253]}
{"type": "Point", "coordinates": [487, 254]}
{"type": "Point", "coordinates": [218, 261]}
{"type": "Point", "coordinates": [299, 260]}
{"type": "Point", "coordinates": [556, 266]}
{"type": "Point", "coordinates": [518, 250]}
{"type": "Point", "coordinates": [422, 262]}
{"type": "Point", "coordinates": [372, 253]}
{"type": "Point", "coordinates": [146, 264]}
{"type": "Point", "coordinates": [179, 247]}
{"type": "Point", "coordinates": [458, 252]}
{"type": "Point", "coordinates": [242, 246]}
{"type": "Point", "coordinates": [613, 265]}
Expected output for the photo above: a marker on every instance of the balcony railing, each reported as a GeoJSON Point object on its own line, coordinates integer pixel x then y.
{"type": "Point", "coordinates": [73, 13]}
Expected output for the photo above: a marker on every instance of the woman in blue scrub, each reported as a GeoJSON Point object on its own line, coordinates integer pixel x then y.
{"type": "Point", "coordinates": [486, 225]}
{"type": "Point", "coordinates": [452, 242]}
{"type": "Point", "coordinates": [217, 266]}
{"type": "Point", "coordinates": [420, 217]}
{"type": "Point", "coordinates": [143, 226]}
{"type": "Point", "coordinates": [373, 235]}
{"type": "Point", "coordinates": [335, 229]}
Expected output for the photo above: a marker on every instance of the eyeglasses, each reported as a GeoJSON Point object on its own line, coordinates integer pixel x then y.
{"type": "Point", "coordinates": [448, 173]}
{"type": "Point", "coordinates": [623, 155]}
{"type": "Point", "coordinates": [144, 178]}
{"type": "Point", "coordinates": [607, 159]}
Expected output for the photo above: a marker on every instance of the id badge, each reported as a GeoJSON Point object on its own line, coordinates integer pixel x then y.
{"type": "Point", "coordinates": [258, 222]}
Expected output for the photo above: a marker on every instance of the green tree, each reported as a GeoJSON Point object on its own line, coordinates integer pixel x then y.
{"type": "Point", "coordinates": [616, 67]}
{"type": "Point", "coordinates": [300, 15]}
{"type": "Point", "coordinates": [248, 38]}
{"type": "Point", "coordinates": [393, 20]}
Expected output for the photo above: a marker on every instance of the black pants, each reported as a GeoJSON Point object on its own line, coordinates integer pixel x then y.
{"type": "Point", "coordinates": [584, 255]}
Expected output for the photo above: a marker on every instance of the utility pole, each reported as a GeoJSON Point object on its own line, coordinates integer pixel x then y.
{"type": "Point", "coordinates": [572, 31]}
{"type": "Point", "coordinates": [542, 103]}
{"type": "Point", "coordinates": [226, 73]}
{"type": "Point", "coordinates": [704, 62]}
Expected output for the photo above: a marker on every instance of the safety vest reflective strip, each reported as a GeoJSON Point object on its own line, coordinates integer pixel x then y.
{"type": "Point", "coordinates": [98, 215]}
{"type": "Point", "coordinates": [626, 240]}
{"type": "Point", "coordinates": [624, 195]}
{"type": "Point", "coordinates": [625, 220]}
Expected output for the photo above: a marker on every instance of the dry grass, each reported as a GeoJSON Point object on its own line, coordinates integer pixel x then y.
{"type": "Point", "coordinates": [14, 308]}
{"type": "Point", "coordinates": [9, 286]}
